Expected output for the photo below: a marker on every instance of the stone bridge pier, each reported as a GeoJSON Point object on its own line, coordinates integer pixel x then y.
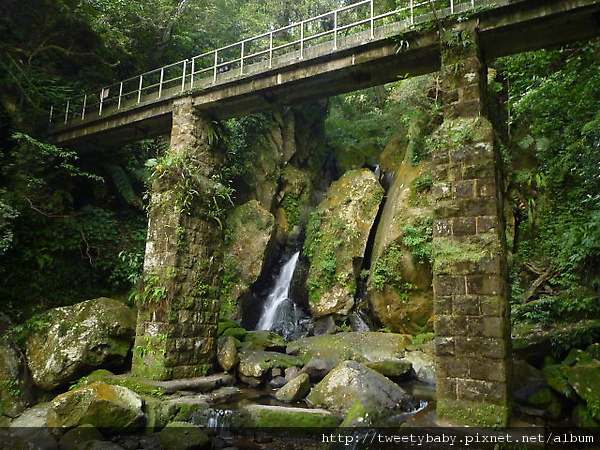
{"type": "Point", "coordinates": [472, 327]}
{"type": "Point", "coordinates": [178, 307]}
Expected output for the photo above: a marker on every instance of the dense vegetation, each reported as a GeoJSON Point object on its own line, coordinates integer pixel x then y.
{"type": "Point", "coordinates": [72, 226]}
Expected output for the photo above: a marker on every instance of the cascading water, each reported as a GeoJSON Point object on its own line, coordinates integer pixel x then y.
{"type": "Point", "coordinates": [280, 313]}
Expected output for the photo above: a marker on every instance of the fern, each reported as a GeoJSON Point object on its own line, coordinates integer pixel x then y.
{"type": "Point", "coordinates": [122, 182]}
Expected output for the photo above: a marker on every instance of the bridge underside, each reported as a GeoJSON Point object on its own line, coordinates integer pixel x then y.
{"type": "Point", "coordinates": [509, 28]}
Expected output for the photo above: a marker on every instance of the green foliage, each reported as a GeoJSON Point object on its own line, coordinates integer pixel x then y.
{"type": "Point", "coordinates": [418, 237]}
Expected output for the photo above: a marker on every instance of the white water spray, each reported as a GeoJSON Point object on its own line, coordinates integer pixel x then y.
{"type": "Point", "coordinates": [278, 295]}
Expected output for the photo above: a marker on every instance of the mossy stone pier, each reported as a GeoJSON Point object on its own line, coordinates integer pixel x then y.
{"type": "Point", "coordinates": [472, 344]}
{"type": "Point", "coordinates": [178, 306]}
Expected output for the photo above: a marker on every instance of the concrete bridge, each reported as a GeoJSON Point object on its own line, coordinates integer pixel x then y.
{"type": "Point", "coordinates": [177, 319]}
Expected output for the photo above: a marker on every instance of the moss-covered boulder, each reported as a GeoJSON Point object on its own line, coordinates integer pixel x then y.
{"type": "Point", "coordinates": [227, 354]}
{"type": "Point", "coordinates": [15, 381]}
{"type": "Point", "coordinates": [99, 404]}
{"type": "Point", "coordinates": [77, 339]}
{"type": "Point", "coordinates": [295, 389]}
{"type": "Point", "coordinates": [183, 436]}
{"type": "Point", "coordinates": [249, 234]}
{"type": "Point", "coordinates": [33, 426]}
{"type": "Point", "coordinates": [350, 382]}
{"type": "Point", "coordinates": [399, 287]}
{"type": "Point", "coordinates": [366, 346]}
{"type": "Point", "coordinates": [423, 365]}
{"type": "Point", "coordinates": [256, 363]}
{"type": "Point", "coordinates": [336, 241]}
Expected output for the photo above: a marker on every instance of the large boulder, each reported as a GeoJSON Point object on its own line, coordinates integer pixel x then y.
{"type": "Point", "coordinates": [98, 404]}
{"type": "Point", "coordinates": [350, 382]}
{"type": "Point", "coordinates": [399, 288]}
{"type": "Point", "coordinates": [77, 339]}
{"type": "Point", "coordinates": [336, 241]}
{"type": "Point", "coordinates": [15, 382]}
{"type": "Point", "coordinates": [32, 426]}
{"type": "Point", "coordinates": [294, 390]}
{"type": "Point", "coordinates": [327, 351]}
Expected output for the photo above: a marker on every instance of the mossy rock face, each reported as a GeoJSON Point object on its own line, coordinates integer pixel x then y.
{"type": "Point", "coordinates": [238, 333]}
{"type": "Point", "coordinates": [99, 404]}
{"type": "Point", "coordinates": [250, 233]}
{"type": "Point", "coordinates": [263, 340]}
{"type": "Point", "coordinates": [183, 436]}
{"type": "Point", "coordinates": [585, 379]}
{"type": "Point", "coordinates": [79, 338]}
{"type": "Point", "coordinates": [225, 325]}
{"type": "Point", "coordinates": [336, 241]}
{"type": "Point", "coordinates": [256, 363]}
{"type": "Point", "coordinates": [399, 287]}
{"type": "Point", "coordinates": [358, 346]}
{"type": "Point", "coordinates": [15, 385]}
{"type": "Point", "coordinates": [350, 382]}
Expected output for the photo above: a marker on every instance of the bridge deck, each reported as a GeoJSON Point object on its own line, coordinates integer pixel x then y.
{"type": "Point", "coordinates": [364, 59]}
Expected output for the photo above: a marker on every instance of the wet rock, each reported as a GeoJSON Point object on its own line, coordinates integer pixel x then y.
{"type": "Point", "coordinates": [12, 442]}
{"type": "Point", "coordinates": [349, 382]}
{"type": "Point", "coordinates": [336, 241]}
{"type": "Point", "coordinates": [228, 356]}
{"type": "Point", "coordinates": [79, 338]}
{"type": "Point", "coordinates": [278, 382]}
{"type": "Point", "coordinates": [291, 373]}
{"type": "Point", "coordinates": [98, 404]}
{"type": "Point", "coordinates": [238, 333]}
{"type": "Point", "coordinates": [423, 364]}
{"type": "Point", "coordinates": [295, 390]}
{"type": "Point", "coordinates": [198, 384]}
{"type": "Point", "coordinates": [224, 395]}
{"type": "Point", "coordinates": [183, 436]}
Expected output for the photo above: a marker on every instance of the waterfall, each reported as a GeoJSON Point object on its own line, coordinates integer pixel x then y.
{"type": "Point", "coordinates": [279, 296]}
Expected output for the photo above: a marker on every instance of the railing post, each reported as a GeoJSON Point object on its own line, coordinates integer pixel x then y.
{"type": "Point", "coordinates": [242, 58]}
{"type": "Point", "coordinates": [215, 67]}
{"type": "Point", "coordinates": [183, 75]}
{"type": "Point", "coordinates": [84, 105]}
{"type": "Point", "coordinates": [140, 88]}
{"type": "Point", "coordinates": [51, 114]}
{"type": "Point", "coordinates": [412, 12]}
{"type": "Point", "coordinates": [120, 95]}
{"type": "Point", "coordinates": [101, 102]}
{"type": "Point", "coordinates": [160, 83]}
{"type": "Point", "coordinates": [473, 3]}
{"type": "Point", "coordinates": [271, 50]}
{"type": "Point", "coordinates": [372, 20]}
{"type": "Point", "coordinates": [192, 73]}
{"type": "Point", "coordinates": [302, 40]}
{"type": "Point", "coordinates": [67, 111]}
{"type": "Point", "coordinates": [335, 26]}
{"type": "Point", "coordinates": [451, 6]}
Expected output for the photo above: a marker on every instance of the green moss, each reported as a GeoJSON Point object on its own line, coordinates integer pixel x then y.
{"type": "Point", "coordinates": [448, 251]}
{"type": "Point", "coordinates": [260, 416]}
{"type": "Point", "coordinates": [463, 413]}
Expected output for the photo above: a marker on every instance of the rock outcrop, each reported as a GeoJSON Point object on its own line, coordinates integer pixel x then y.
{"type": "Point", "coordinates": [77, 339]}
{"type": "Point", "coordinates": [336, 241]}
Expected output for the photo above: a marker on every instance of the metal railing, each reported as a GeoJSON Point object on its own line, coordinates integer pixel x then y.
{"type": "Point", "coordinates": [277, 48]}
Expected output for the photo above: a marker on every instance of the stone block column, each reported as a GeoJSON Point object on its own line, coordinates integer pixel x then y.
{"type": "Point", "coordinates": [178, 306]}
{"type": "Point", "coordinates": [472, 344]}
